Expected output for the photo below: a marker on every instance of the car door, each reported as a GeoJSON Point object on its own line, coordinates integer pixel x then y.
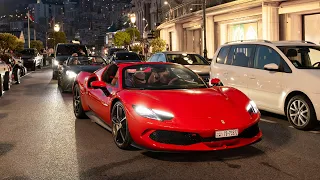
{"type": "Point", "coordinates": [98, 100]}
{"type": "Point", "coordinates": [235, 69]}
{"type": "Point", "coordinates": [266, 86]}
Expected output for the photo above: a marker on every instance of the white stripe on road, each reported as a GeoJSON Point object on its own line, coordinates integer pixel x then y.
{"type": "Point", "coordinates": [268, 121]}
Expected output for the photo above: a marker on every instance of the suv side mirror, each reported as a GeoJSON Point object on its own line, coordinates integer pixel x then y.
{"type": "Point", "coordinates": [271, 67]}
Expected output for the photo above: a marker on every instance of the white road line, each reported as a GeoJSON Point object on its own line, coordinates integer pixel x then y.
{"type": "Point", "coordinates": [268, 121]}
{"type": "Point", "coordinates": [315, 132]}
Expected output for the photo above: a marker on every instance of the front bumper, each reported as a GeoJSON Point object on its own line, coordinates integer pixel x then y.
{"type": "Point", "coordinates": [166, 137]}
{"type": "Point", "coordinates": [67, 83]}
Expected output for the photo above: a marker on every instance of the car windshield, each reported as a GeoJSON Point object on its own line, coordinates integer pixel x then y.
{"type": "Point", "coordinates": [81, 60]}
{"type": "Point", "coordinates": [127, 56]}
{"type": "Point", "coordinates": [68, 50]}
{"type": "Point", "coordinates": [303, 57]}
{"type": "Point", "coordinates": [28, 52]}
{"type": "Point", "coordinates": [160, 77]}
{"type": "Point", "coordinates": [187, 59]}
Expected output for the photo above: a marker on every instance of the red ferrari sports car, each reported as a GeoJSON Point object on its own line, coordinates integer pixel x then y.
{"type": "Point", "coordinates": [165, 107]}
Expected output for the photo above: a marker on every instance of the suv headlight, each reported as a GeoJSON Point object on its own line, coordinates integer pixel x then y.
{"type": "Point", "coordinates": [252, 108]}
{"type": "Point", "coordinates": [71, 74]}
{"type": "Point", "coordinates": [152, 113]}
{"type": "Point", "coordinates": [56, 63]}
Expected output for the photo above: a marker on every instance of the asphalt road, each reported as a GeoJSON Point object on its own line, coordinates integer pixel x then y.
{"type": "Point", "coordinates": [41, 139]}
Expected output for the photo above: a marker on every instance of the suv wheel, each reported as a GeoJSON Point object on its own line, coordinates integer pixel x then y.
{"type": "Point", "coordinates": [33, 67]}
{"type": "Point", "coordinates": [301, 113]}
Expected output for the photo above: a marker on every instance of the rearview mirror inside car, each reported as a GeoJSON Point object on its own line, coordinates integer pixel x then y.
{"type": "Point", "coordinates": [271, 67]}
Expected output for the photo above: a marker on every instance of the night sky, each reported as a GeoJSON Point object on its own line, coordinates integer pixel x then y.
{"type": "Point", "coordinates": [9, 6]}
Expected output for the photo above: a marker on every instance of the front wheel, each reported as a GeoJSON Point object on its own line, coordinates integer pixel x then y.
{"type": "Point", "coordinates": [77, 104]}
{"type": "Point", "coordinates": [120, 129]}
{"type": "Point", "coordinates": [33, 67]}
{"type": "Point", "coordinates": [6, 82]}
{"type": "Point", "coordinates": [301, 113]}
{"type": "Point", "coordinates": [1, 86]}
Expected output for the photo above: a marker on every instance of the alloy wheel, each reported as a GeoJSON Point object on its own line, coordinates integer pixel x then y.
{"type": "Point", "coordinates": [119, 126]}
{"type": "Point", "coordinates": [76, 101]}
{"type": "Point", "coordinates": [299, 112]}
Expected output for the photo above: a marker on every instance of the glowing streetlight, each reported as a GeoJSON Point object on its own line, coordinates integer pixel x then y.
{"type": "Point", "coordinates": [133, 18]}
{"type": "Point", "coordinates": [56, 28]}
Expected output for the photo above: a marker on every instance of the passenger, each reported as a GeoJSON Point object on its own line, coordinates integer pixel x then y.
{"type": "Point", "coordinates": [139, 78]}
{"type": "Point", "coordinates": [159, 77]}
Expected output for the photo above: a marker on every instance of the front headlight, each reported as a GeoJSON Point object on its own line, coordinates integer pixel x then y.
{"type": "Point", "coordinates": [152, 113]}
{"type": "Point", "coordinates": [56, 63]}
{"type": "Point", "coordinates": [71, 74]}
{"type": "Point", "coordinates": [252, 108]}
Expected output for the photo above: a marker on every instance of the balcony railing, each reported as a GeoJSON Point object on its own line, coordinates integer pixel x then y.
{"type": "Point", "coordinates": [187, 8]}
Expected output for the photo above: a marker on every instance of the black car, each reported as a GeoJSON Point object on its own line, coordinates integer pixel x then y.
{"type": "Point", "coordinates": [125, 56]}
{"type": "Point", "coordinates": [63, 52]}
{"type": "Point", "coordinates": [74, 65]}
{"type": "Point", "coordinates": [111, 51]}
{"type": "Point", "coordinates": [31, 58]}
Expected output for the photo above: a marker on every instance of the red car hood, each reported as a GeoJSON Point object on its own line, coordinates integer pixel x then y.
{"type": "Point", "coordinates": [196, 108]}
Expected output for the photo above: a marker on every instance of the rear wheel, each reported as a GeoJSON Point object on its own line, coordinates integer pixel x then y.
{"type": "Point", "coordinates": [54, 75]}
{"type": "Point", "coordinates": [120, 129]}
{"type": "Point", "coordinates": [6, 82]}
{"type": "Point", "coordinates": [301, 113]}
{"type": "Point", "coordinates": [77, 104]}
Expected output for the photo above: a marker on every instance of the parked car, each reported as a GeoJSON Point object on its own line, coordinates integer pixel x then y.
{"type": "Point", "coordinates": [5, 77]}
{"type": "Point", "coordinates": [16, 67]}
{"type": "Point", "coordinates": [63, 52]}
{"type": "Point", "coordinates": [281, 77]}
{"type": "Point", "coordinates": [125, 56]}
{"type": "Point", "coordinates": [31, 58]}
{"type": "Point", "coordinates": [191, 60]}
{"type": "Point", "coordinates": [74, 65]}
{"type": "Point", "coordinates": [165, 107]}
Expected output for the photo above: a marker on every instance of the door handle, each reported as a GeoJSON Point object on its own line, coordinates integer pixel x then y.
{"type": "Point", "coordinates": [252, 77]}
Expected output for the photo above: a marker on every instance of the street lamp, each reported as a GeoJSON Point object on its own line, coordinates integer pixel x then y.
{"type": "Point", "coordinates": [166, 3]}
{"type": "Point", "coordinates": [56, 28]}
{"type": "Point", "coordinates": [133, 20]}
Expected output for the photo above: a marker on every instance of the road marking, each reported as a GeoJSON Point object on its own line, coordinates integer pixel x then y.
{"type": "Point", "coordinates": [315, 132]}
{"type": "Point", "coordinates": [268, 121]}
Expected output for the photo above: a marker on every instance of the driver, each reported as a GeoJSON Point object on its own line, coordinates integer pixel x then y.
{"type": "Point", "coordinates": [160, 77]}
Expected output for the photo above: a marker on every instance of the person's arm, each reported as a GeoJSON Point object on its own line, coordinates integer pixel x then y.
{"type": "Point", "coordinates": [115, 79]}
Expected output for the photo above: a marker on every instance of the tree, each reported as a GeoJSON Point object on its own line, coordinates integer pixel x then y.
{"type": "Point", "coordinates": [36, 44]}
{"type": "Point", "coordinates": [20, 45]}
{"type": "Point", "coordinates": [8, 42]}
{"type": "Point", "coordinates": [133, 32]}
{"type": "Point", "coordinates": [137, 48]}
{"type": "Point", "coordinates": [55, 38]}
{"type": "Point", "coordinates": [121, 38]}
{"type": "Point", "coordinates": [158, 45]}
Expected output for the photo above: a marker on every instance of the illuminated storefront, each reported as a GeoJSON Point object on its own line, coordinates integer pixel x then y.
{"type": "Point", "coordinates": [246, 31]}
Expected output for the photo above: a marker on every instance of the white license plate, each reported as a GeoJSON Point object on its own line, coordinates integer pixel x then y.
{"type": "Point", "coordinates": [227, 133]}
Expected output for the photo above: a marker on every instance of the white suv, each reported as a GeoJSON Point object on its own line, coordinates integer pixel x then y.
{"type": "Point", "coordinates": [281, 77]}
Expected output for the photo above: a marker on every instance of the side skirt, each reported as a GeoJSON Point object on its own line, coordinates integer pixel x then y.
{"type": "Point", "coordinates": [98, 120]}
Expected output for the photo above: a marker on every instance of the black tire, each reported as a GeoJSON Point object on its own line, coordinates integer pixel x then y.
{"type": "Point", "coordinates": [120, 128]}
{"type": "Point", "coordinates": [77, 104]}
{"type": "Point", "coordinates": [6, 81]}
{"type": "Point", "coordinates": [33, 67]}
{"type": "Point", "coordinates": [62, 85]}
{"type": "Point", "coordinates": [1, 86]}
{"type": "Point", "coordinates": [301, 114]}
{"type": "Point", "coordinates": [17, 75]}
{"type": "Point", "coordinates": [24, 71]}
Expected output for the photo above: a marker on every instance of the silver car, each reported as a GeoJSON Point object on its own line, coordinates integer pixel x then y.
{"type": "Point", "coordinates": [193, 61]}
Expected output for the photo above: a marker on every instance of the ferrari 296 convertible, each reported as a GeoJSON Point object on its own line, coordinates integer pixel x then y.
{"type": "Point", "coordinates": [165, 107]}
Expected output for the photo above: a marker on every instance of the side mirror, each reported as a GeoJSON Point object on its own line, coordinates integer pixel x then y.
{"type": "Point", "coordinates": [271, 67]}
{"type": "Point", "coordinates": [216, 82]}
{"type": "Point", "coordinates": [100, 85]}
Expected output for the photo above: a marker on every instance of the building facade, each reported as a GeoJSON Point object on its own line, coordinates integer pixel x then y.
{"type": "Point", "coordinates": [241, 20]}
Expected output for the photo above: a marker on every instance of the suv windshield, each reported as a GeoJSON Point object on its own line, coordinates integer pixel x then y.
{"type": "Point", "coordinates": [303, 57]}
{"type": "Point", "coordinates": [160, 77]}
{"type": "Point", "coordinates": [28, 52]}
{"type": "Point", "coordinates": [187, 59]}
{"type": "Point", "coordinates": [86, 61]}
{"type": "Point", "coordinates": [69, 49]}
